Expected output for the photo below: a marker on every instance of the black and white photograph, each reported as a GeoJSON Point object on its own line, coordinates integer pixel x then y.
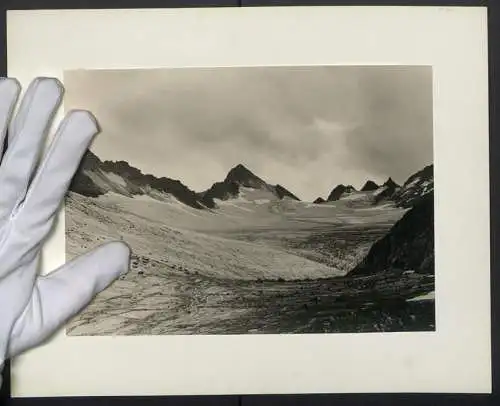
{"type": "Point", "coordinates": [258, 200]}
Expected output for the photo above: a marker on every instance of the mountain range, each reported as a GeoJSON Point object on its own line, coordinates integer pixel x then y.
{"type": "Point", "coordinates": [95, 177]}
{"type": "Point", "coordinates": [408, 244]}
{"type": "Point", "coordinates": [413, 189]}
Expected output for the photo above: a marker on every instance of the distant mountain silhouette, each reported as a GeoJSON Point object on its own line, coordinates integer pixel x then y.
{"type": "Point", "coordinates": [340, 191]}
{"type": "Point", "coordinates": [319, 200]}
{"type": "Point", "coordinates": [369, 186]}
{"type": "Point", "coordinates": [95, 177]}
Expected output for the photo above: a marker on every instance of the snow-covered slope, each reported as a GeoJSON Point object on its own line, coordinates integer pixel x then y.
{"type": "Point", "coordinates": [141, 222]}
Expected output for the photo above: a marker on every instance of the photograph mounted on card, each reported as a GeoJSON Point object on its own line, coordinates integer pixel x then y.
{"type": "Point", "coordinates": [280, 206]}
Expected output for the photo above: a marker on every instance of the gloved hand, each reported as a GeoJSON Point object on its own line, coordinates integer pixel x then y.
{"type": "Point", "coordinates": [32, 307]}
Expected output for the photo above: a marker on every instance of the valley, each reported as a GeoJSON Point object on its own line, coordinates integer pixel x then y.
{"type": "Point", "coordinates": [255, 264]}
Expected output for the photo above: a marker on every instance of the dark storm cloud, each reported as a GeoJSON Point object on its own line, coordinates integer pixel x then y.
{"type": "Point", "coordinates": [307, 128]}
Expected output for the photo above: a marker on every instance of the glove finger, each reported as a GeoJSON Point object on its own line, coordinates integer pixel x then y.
{"type": "Point", "coordinates": [10, 90]}
{"type": "Point", "coordinates": [62, 294]}
{"type": "Point", "coordinates": [26, 138]}
{"type": "Point", "coordinates": [35, 216]}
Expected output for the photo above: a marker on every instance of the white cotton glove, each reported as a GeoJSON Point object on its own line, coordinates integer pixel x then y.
{"type": "Point", "coordinates": [33, 307]}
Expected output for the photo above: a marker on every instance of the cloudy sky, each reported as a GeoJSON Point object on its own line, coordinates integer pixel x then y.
{"type": "Point", "coordinates": [307, 128]}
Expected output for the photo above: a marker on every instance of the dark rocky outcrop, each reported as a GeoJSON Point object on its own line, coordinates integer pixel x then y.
{"type": "Point", "coordinates": [82, 183]}
{"type": "Point", "coordinates": [415, 188]}
{"type": "Point", "coordinates": [220, 190]}
{"type": "Point", "coordinates": [369, 186]}
{"type": "Point", "coordinates": [340, 191]}
{"type": "Point", "coordinates": [409, 244]}
{"type": "Point", "coordinates": [244, 177]}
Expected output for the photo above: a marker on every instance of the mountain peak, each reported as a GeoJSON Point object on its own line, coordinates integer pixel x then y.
{"type": "Point", "coordinates": [390, 183]}
{"type": "Point", "coordinates": [241, 175]}
{"type": "Point", "coordinates": [239, 168]}
{"type": "Point", "coordinates": [239, 172]}
{"type": "Point", "coordinates": [369, 186]}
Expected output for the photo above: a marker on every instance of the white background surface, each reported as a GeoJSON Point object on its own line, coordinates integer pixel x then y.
{"type": "Point", "coordinates": [456, 358]}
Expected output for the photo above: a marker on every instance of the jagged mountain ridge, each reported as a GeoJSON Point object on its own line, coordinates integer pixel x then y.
{"type": "Point", "coordinates": [414, 188]}
{"type": "Point", "coordinates": [386, 192]}
{"type": "Point", "coordinates": [95, 178]}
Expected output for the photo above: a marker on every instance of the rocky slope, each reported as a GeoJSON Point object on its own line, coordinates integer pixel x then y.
{"type": "Point", "coordinates": [409, 244]}
{"type": "Point", "coordinates": [339, 192]}
{"type": "Point", "coordinates": [386, 192]}
{"type": "Point", "coordinates": [415, 188]}
{"type": "Point", "coordinates": [95, 177]}
{"type": "Point", "coordinates": [282, 192]}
